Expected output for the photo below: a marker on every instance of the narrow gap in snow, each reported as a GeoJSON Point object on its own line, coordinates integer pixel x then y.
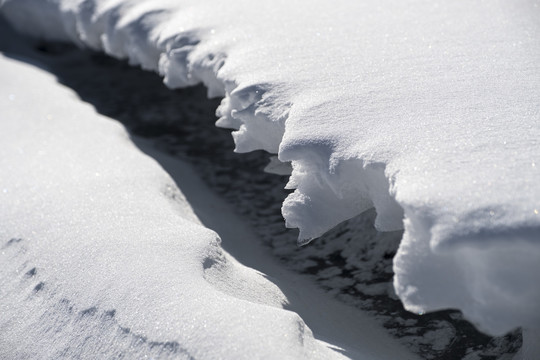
{"type": "Point", "coordinates": [353, 261]}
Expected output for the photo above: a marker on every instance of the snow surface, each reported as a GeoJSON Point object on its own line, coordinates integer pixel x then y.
{"type": "Point", "coordinates": [103, 256]}
{"type": "Point", "coordinates": [426, 110]}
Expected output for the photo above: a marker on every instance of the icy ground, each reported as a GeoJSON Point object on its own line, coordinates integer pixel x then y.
{"type": "Point", "coordinates": [352, 262]}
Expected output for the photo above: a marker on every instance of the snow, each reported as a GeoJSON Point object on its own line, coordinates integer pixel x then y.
{"type": "Point", "coordinates": [104, 256]}
{"type": "Point", "coordinates": [74, 191]}
{"type": "Point", "coordinates": [426, 110]}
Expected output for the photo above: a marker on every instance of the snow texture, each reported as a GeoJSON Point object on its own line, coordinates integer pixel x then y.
{"type": "Point", "coordinates": [427, 111]}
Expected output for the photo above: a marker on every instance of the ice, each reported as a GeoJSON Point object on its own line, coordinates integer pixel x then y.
{"type": "Point", "coordinates": [426, 110]}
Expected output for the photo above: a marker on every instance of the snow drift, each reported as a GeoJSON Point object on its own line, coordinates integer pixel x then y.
{"type": "Point", "coordinates": [427, 111]}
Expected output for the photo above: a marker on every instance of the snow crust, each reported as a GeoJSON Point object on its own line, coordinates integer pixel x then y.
{"type": "Point", "coordinates": [426, 110]}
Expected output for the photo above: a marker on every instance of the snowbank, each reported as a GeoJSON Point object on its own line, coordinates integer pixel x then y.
{"type": "Point", "coordinates": [427, 111]}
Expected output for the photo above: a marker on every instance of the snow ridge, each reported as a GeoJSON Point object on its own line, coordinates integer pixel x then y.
{"type": "Point", "coordinates": [438, 130]}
